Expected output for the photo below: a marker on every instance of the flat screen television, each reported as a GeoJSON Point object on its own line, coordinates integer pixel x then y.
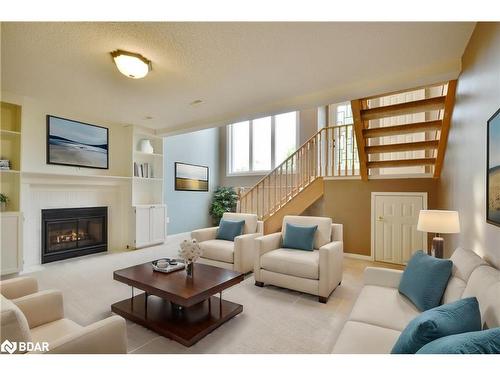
{"type": "Point", "coordinates": [76, 143]}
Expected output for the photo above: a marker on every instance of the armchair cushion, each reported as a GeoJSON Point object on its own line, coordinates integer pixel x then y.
{"type": "Point", "coordinates": [304, 264]}
{"type": "Point", "coordinates": [323, 234]}
{"type": "Point", "coordinates": [54, 330]}
{"type": "Point", "coordinates": [299, 237]}
{"type": "Point", "coordinates": [228, 229]}
{"type": "Point", "coordinates": [220, 250]}
{"type": "Point", "coordinates": [42, 307]}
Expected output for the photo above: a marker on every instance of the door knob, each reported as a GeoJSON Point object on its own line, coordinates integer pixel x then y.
{"type": "Point", "coordinates": [380, 218]}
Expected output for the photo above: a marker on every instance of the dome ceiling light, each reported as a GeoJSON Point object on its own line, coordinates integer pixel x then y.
{"type": "Point", "coordinates": [132, 65]}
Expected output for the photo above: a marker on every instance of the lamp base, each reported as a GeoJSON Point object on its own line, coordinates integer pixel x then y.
{"type": "Point", "coordinates": [437, 247]}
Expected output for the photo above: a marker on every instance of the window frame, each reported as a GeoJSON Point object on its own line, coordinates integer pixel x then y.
{"type": "Point", "coordinates": [251, 171]}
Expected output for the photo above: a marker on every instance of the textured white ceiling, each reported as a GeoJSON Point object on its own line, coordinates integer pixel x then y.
{"type": "Point", "coordinates": [239, 70]}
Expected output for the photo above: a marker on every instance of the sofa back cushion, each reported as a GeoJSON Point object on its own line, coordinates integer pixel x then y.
{"type": "Point", "coordinates": [464, 263]}
{"type": "Point", "coordinates": [14, 326]}
{"type": "Point", "coordinates": [250, 221]}
{"type": "Point", "coordinates": [484, 284]}
{"type": "Point", "coordinates": [323, 234]}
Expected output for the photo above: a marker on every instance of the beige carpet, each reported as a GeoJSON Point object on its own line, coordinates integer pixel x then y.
{"type": "Point", "coordinates": [274, 320]}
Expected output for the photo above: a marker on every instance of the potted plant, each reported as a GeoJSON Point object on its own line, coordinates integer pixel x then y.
{"type": "Point", "coordinates": [3, 202]}
{"type": "Point", "coordinates": [224, 200]}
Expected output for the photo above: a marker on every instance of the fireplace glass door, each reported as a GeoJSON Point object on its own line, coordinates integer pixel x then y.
{"type": "Point", "coordinates": [72, 234]}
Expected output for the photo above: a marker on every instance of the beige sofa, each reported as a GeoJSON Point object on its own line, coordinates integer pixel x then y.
{"type": "Point", "coordinates": [316, 272]}
{"type": "Point", "coordinates": [29, 315]}
{"type": "Point", "coordinates": [381, 313]}
{"type": "Point", "coordinates": [237, 255]}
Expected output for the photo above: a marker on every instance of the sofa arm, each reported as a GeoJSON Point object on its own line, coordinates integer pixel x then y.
{"type": "Point", "coordinates": [382, 277]}
{"type": "Point", "coordinates": [204, 234]}
{"type": "Point", "coordinates": [267, 243]}
{"type": "Point", "coordinates": [41, 307]}
{"type": "Point", "coordinates": [337, 232]}
{"type": "Point", "coordinates": [260, 227]}
{"type": "Point", "coordinates": [18, 287]}
{"type": "Point", "coordinates": [107, 336]}
{"type": "Point", "coordinates": [244, 252]}
{"type": "Point", "coordinates": [331, 257]}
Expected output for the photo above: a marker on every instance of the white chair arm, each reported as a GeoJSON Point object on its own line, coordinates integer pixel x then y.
{"type": "Point", "coordinates": [18, 287]}
{"type": "Point", "coordinates": [260, 227]}
{"type": "Point", "coordinates": [41, 307]}
{"type": "Point", "coordinates": [267, 243]}
{"type": "Point", "coordinates": [244, 251]}
{"type": "Point", "coordinates": [204, 234]}
{"type": "Point", "coordinates": [382, 277]}
{"type": "Point", "coordinates": [337, 232]}
{"type": "Point", "coordinates": [107, 336]}
{"type": "Point", "coordinates": [331, 257]}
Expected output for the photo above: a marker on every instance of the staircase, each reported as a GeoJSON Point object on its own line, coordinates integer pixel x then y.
{"type": "Point", "coordinates": [409, 134]}
{"type": "Point", "coordinates": [393, 135]}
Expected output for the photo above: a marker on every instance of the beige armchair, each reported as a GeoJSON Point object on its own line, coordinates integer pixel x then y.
{"type": "Point", "coordinates": [316, 272]}
{"type": "Point", "coordinates": [237, 255]}
{"type": "Point", "coordinates": [29, 315]}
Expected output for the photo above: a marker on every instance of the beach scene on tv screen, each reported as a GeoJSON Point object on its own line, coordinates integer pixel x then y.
{"type": "Point", "coordinates": [78, 144]}
{"type": "Point", "coordinates": [494, 170]}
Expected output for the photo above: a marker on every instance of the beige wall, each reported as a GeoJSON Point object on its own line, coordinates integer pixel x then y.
{"type": "Point", "coordinates": [308, 120]}
{"type": "Point", "coordinates": [463, 179]}
{"type": "Point", "coordinates": [349, 202]}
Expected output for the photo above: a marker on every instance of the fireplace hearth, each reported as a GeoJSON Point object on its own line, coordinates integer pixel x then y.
{"type": "Point", "coordinates": [73, 232]}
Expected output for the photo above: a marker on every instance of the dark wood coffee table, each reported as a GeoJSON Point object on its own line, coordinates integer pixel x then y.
{"type": "Point", "coordinates": [175, 306]}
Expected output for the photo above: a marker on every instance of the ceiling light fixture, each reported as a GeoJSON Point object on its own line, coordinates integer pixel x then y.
{"type": "Point", "coordinates": [132, 65]}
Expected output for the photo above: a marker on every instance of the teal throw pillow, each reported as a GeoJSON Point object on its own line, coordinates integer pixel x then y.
{"type": "Point", "coordinates": [298, 237]}
{"type": "Point", "coordinates": [229, 229]}
{"type": "Point", "coordinates": [450, 319]}
{"type": "Point", "coordinates": [424, 280]}
{"type": "Point", "coordinates": [479, 342]}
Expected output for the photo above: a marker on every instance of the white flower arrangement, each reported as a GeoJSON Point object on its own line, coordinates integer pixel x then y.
{"type": "Point", "coordinates": [190, 251]}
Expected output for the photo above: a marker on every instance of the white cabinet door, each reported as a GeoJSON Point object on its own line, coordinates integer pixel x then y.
{"type": "Point", "coordinates": [158, 224]}
{"type": "Point", "coordinates": [10, 246]}
{"type": "Point", "coordinates": [142, 226]}
{"type": "Point", "coordinates": [394, 226]}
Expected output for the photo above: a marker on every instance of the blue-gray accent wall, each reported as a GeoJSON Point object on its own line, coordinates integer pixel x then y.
{"type": "Point", "coordinates": [188, 210]}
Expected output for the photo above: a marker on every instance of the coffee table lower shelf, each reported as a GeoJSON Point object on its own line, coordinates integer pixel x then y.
{"type": "Point", "coordinates": [186, 326]}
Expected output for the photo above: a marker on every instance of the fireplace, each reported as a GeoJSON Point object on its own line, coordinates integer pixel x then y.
{"type": "Point", "coordinates": [73, 232]}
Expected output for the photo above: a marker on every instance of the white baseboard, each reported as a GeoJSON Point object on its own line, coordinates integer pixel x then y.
{"type": "Point", "coordinates": [359, 256]}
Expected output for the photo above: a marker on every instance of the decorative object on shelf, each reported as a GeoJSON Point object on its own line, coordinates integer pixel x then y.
{"type": "Point", "coordinates": [146, 146]}
{"type": "Point", "coordinates": [167, 265]}
{"type": "Point", "coordinates": [224, 200]}
{"type": "Point", "coordinates": [191, 177]}
{"type": "Point", "coordinates": [493, 170]}
{"type": "Point", "coordinates": [130, 64]}
{"type": "Point", "coordinates": [3, 202]}
{"type": "Point", "coordinates": [143, 170]}
{"type": "Point", "coordinates": [190, 252]}
{"type": "Point", "coordinates": [4, 165]}
{"type": "Point", "coordinates": [76, 143]}
{"type": "Point", "coordinates": [438, 222]}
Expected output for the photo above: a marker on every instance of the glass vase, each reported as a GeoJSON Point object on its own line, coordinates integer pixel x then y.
{"type": "Point", "coordinates": [189, 269]}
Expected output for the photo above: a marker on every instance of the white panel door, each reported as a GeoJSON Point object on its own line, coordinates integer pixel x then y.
{"type": "Point", "coordinates": [158, 224]}
{"type": "Point", "coordinates": [394, 223]}
{"type": "Point", "coordinates": [142, 225]}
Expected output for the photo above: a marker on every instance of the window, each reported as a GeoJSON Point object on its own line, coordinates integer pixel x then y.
{"type": "Point", "coordinates": [259, 145]}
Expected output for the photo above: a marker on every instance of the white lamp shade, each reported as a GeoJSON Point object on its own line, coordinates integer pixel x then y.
{"type": "Point", "coordinates": [438, 221]}
{"type": "Point", "coordinates": [132, 65]}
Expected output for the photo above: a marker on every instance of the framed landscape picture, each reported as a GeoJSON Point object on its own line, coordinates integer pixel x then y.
{"type": "Point", "coordinates": [493, 172]}
{"type": "Point", "coordinates": [190, 177]}
{"type": "Point", "coordinates": [76, 143]}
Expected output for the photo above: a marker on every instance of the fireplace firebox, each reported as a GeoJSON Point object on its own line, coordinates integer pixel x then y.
{"type": "Point", "coordinates": [73, 232]}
